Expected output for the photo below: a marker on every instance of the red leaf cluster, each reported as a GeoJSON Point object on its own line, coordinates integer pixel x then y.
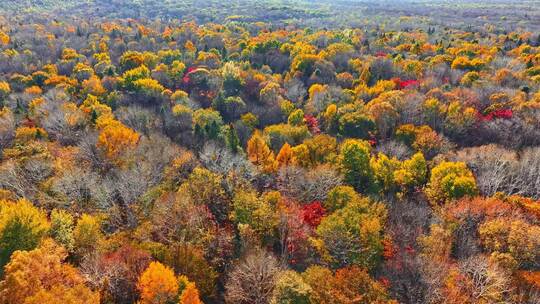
{"type": "Point", "coordinates": [403, 84]}
{"type": "Point", "coordinates": [312, 124]}
{"type": "Point", "coordinates": [502, 114]}
{"type": "Point", "coordinates": [313, 213]}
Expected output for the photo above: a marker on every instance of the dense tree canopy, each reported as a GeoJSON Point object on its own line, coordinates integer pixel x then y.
{"type": "Point", "coordinates": [257, 152]}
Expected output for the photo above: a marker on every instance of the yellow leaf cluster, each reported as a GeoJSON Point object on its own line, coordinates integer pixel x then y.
{"type": "Point", "coordinates": [40, 276]}
{"type": "Point", "coordinates": [260, 154]}
{"type": "Point", "coordinates": [157, 284]}
{"type": "Point", "coordinates": [4, 38]}
{"type": "Point", "coordinates": [115, 139]}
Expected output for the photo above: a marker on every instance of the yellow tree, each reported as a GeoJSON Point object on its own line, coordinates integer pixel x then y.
{"type": "Point", "coordinates": [115, 139]}
{"type": "Point", "coordinates": [354, 157]}
{"type": "Point", "coordinates": [4, 89]}
{"type": "Point", "coordinates": [260, 154]}
{"type": "Point", "coordinates": [285, 156]}
{"type": "Point", "coordinates": [412, 173]}
{"type": "Point", "coordinates": [190, 295]}
{"type": "Point", "coordinates": [449, 181]}
{"type": "Point", "coordinates": [87, 235]}
{"type": "Point", "coordinates": [21, 227]}
{"type": "Point", "coordinates": [93, 86]}
{"type": "Point", "coordinates": [157, 284]}
{"type": "Point", "coordinates": [78, 294]}
{"type": "Point", "coordinates": [4, 38]}
{"type": "Point", "coordinates": [301, 155]}
{"type": "Point", "coordinates": [98, 112]}
{"type": "Point", "coordinates": [37, 275]}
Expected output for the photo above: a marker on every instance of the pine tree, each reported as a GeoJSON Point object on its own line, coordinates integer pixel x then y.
{"type": "Point", "coordinates": [232, 140]}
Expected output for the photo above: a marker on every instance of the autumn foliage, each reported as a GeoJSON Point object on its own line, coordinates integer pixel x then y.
{"type": "Point", "coordinates": [269, 152]}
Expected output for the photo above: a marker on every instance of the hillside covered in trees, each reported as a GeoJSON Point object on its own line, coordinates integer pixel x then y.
{"type": "Point", "coordinates": [257, 152]}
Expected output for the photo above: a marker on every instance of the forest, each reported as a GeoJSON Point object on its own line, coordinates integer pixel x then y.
{"type": "Point", "coordinates": [269, 152]}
